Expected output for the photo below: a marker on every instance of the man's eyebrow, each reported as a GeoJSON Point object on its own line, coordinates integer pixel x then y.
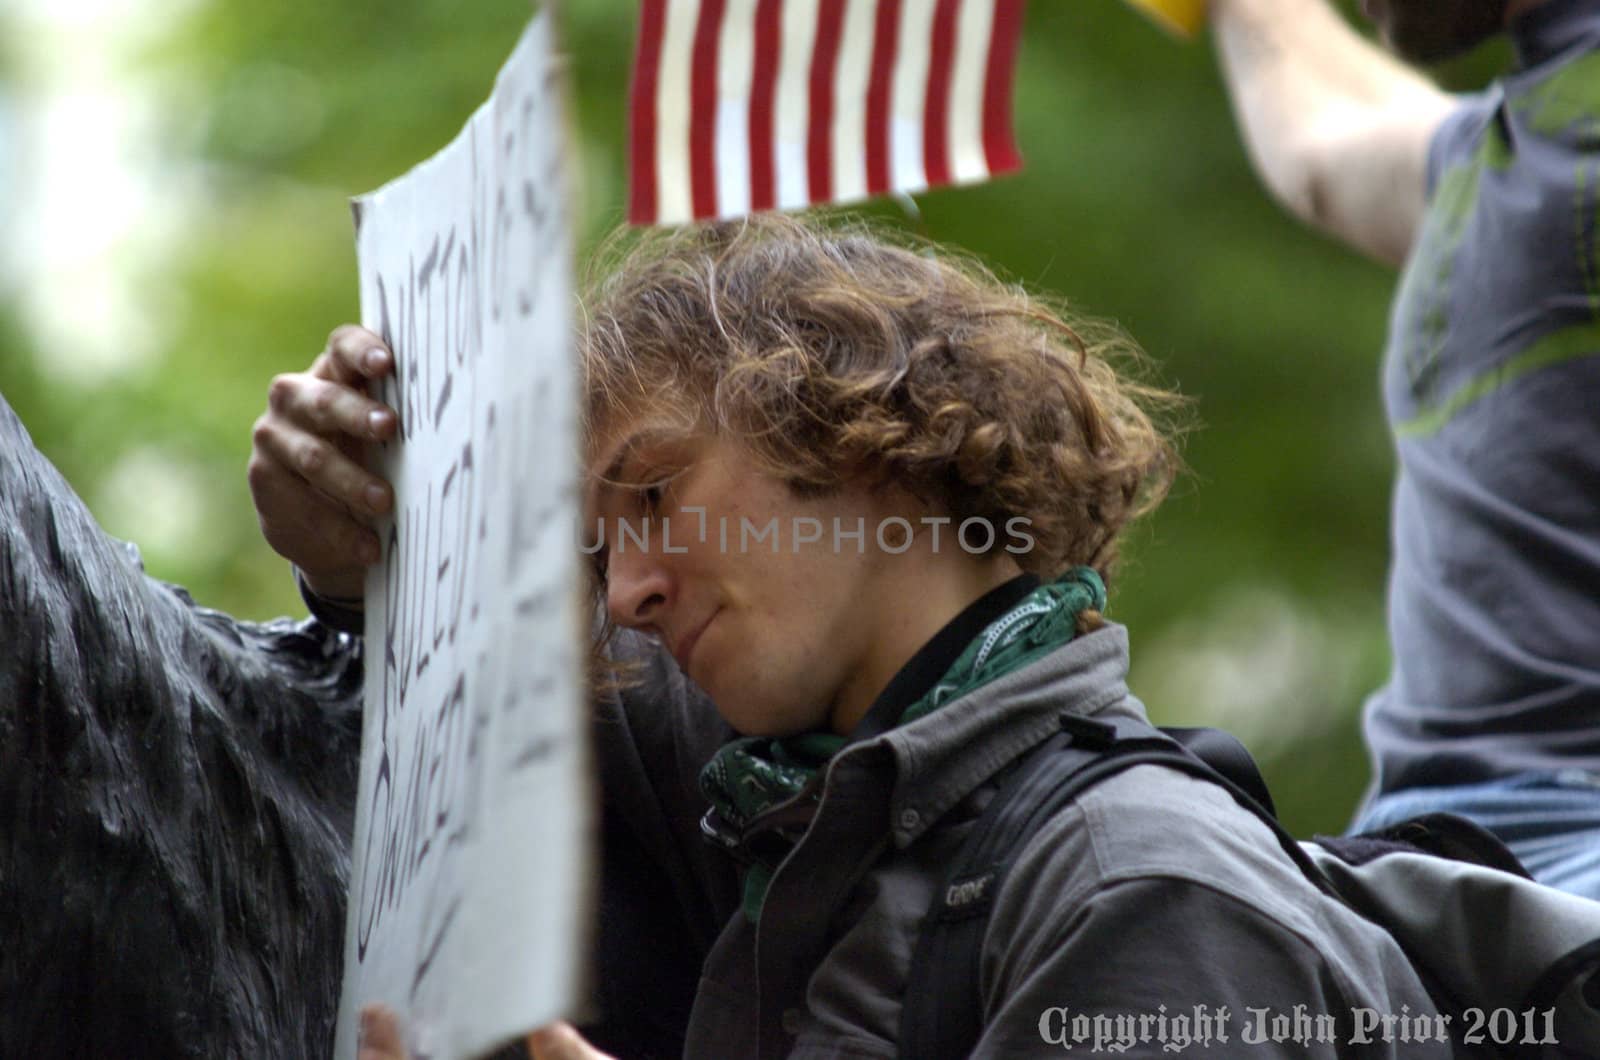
{"type": "Point", "coordinates": [610, 478]}
{"type": "Point", "coordinates": [597, 488]}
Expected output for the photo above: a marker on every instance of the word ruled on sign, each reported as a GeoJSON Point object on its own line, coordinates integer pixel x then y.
{"type": "Point", "coordinates": [470, 867]}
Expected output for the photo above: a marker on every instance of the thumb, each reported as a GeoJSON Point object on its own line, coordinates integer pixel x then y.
{"type": "Point", "coordinates": [561, 1041]}
{"type": "Point", "coordinates": [380, 1035]}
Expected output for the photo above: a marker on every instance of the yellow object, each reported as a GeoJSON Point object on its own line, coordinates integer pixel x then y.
{"type": "Point", "coordinates": [1183, 17]}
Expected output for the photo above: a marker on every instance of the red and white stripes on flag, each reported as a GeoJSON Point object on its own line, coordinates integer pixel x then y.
{"type": "Point", "coordinates": [745, 105]}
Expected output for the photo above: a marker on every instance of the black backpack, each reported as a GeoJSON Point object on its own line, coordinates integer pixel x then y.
{"type": "Point", "coordinates": [1428, 881]}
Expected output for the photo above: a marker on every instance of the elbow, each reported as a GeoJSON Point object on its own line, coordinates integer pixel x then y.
{"type": "Point", "coordinates": [1377, 220]}
{"type": "Point", "coordinates": [1303, 186]}
{"type": "Point", "coordinates": [1315, 202]}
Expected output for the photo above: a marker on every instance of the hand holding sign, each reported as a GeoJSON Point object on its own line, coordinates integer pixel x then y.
{"type": "Point", "coordinates": [382, 1039]}
{"type": "Point", "coordinates": [316, 501]}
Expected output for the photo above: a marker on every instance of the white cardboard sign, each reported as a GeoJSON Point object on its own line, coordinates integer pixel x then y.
{"type": "Point", "coordinates": [469, 883]}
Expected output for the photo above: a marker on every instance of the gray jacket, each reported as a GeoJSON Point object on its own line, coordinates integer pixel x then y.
{"type": "Point", "coordinates": [1153, 897]}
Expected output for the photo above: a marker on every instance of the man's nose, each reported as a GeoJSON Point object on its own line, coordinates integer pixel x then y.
{"type": "Point", "coordinates": [638, 587]}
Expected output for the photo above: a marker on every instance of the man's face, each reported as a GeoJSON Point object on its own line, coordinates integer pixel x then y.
{"type": "Point", "coordinates": [1426, 31]}
{"type": "Point", "coordinates": [779, 631]}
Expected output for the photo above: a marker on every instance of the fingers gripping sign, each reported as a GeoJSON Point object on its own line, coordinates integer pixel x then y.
{"type": "Point", "coordinates": [314, 497]}
{"type": "Point", "coordinates": [561, 1041]}
{"type": "Point", "coordinates": [380, 1035]}
{"type": "Point", "coordinates": [382, 1039]}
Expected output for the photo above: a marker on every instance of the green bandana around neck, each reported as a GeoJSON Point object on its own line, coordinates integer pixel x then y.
{"type": "Point", "coordinates": [754, 776]}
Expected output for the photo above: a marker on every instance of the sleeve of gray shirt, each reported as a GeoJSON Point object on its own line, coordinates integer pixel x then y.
{"type": "Point", "coordinates": [1460, 132]}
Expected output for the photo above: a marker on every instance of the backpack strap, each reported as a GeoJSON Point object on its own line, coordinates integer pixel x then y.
{"type": "Point", "coordinates": [1222, 751]}
{"type": "Point", "coordinates": [942, 1015]}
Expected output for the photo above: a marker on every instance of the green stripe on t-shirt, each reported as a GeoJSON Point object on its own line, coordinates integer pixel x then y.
{"type": "Point", "coordinates": [1559, 347]}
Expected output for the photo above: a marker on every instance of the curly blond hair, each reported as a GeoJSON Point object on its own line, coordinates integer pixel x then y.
{"type": "Point", "coordinates": [834, 352]}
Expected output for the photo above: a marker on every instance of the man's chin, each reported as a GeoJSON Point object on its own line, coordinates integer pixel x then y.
{"type": "Point", "coordinates": [751, 718]}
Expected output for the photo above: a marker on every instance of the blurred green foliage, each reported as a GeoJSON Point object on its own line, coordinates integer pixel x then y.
{"type": "Point", "coordinates": [1137, 203]}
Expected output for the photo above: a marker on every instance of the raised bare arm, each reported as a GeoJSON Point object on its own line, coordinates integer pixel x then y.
{"type": "Point", "coordinates": [1337, 128]}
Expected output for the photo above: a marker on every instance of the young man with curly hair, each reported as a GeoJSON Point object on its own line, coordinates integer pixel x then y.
{"type": "Point", "coordinates": [937, 468]}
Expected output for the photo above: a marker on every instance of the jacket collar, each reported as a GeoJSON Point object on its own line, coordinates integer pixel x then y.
{"type": "Point", "coordinates": [942, 758]}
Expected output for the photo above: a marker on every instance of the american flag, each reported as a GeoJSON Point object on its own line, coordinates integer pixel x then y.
{"type": "Point", "coordinates": [745, 105]}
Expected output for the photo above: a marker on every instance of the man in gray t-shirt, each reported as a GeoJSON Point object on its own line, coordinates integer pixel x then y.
{"type": "Point", "coordinates": [1491, 383]}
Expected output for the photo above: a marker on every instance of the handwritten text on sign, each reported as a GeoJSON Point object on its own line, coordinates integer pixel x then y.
{"type": "Point", "coordinates": [469, 862]}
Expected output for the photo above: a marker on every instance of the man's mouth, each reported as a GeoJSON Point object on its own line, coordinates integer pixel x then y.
{"type": "Point", "coordinates": [683, 651]}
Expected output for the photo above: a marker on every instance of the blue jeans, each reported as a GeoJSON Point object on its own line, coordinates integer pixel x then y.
{"type": "Point", "coordinates": [1551, 821]}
